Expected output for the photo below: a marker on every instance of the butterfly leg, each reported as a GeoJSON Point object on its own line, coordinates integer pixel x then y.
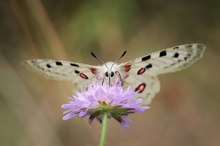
{"type": "Point", "coordinates": [120, 77]}
{"type": "Point", "coordinates": [103, 80]}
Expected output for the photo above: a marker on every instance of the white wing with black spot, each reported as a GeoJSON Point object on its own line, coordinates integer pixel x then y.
{"type": "Point", "coordinates": [64, 70]}
{"type": "Point", "coordinates": [169, 60]}
{"type": "Point", "coordinates": [141, 72]}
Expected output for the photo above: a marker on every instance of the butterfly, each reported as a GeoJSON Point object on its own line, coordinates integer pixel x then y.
{"type": "Point", "coordinates": [140, 74]}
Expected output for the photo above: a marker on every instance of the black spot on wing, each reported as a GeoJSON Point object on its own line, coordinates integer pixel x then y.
{"type": "Point", "coordinates": [77, 72]}
{"type": "Point", "coordinates": [148, 66]}
{"type": "Point", "coordinates": [146, 58]}
{"type": "Point", "coordinates": [176, 47]}
{"type": "Point", "coordinates": [163, 53]}
{"type": "Point", "coordinates": [73, 64]}
{"type": "Point", "coordinates": [48, 65]}
{"type": "Point", "coordinates": [58, 63]}
{"type": "Point", "coordinates": [176, 55]}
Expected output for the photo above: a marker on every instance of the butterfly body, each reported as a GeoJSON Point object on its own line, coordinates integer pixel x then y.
{"type": "Point", "coordinates": [140, 73]}
{"type": "Point", "coordinates": [108, 73]}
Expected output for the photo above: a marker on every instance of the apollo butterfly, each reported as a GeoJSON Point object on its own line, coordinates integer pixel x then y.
{"type": "Point", "coordinates": [140, 73]}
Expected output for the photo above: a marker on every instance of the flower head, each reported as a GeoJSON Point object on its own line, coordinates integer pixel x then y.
{"type": "Point", "coordinates": [116, 101]}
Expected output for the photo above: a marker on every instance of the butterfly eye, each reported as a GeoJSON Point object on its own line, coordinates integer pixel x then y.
{"type": "Point", "coordinates": [106, 74]}
{"type": "Point", "coordinates": [112, 74]}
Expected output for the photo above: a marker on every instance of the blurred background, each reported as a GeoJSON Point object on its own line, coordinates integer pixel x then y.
{"type": "Point", "coordinates": [185, 112]}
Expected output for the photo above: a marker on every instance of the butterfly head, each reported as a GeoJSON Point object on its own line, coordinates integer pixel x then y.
{"type": "Point", "coordinates": [110, 69]}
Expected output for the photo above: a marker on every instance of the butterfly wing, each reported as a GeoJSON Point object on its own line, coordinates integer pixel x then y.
{"type": "Point", "coordinates": [169, 60]}
{"type": "Point", "coordinates": [64, 70]}
{"type": "Point", "coordinates": [146, 86]}
{"type": "Point", "coordinates": [141, 72]}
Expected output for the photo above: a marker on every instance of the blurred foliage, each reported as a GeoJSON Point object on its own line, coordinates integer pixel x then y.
{"type": "Point", "coordinates": [185, 112]}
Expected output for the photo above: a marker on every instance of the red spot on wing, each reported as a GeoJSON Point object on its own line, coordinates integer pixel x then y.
{"type": "Point", "coordinates": [140, 88]}
{"type": "Point", "coordinates": [82, 75]}
{"type": "Point", "coordinates": [93, 70]}
{"type": "Point", "coordinates": [141, 71]}
{"type": "Point", "coordinates": [127, 68]}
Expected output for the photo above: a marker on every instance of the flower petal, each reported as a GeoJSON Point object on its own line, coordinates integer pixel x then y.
{"type": "Point", "coordinates": [97, 98]}
{"type": "Point", "coordinates": [124, 124]}
{"type": "Point", "coordinates": [69, 116]}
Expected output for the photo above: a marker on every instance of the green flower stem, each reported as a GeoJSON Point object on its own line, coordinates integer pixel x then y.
{"type": "Point", "coordinates": [104, 129]}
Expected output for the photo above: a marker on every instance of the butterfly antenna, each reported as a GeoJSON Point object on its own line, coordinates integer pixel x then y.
{"type": "Point", "coordinates": [123, 54]}
{"type": "Point", "coordinates": [93, 55]}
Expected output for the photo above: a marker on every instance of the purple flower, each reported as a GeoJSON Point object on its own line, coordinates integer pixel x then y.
{"type": "Point", "coordinates": [96, 99]}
